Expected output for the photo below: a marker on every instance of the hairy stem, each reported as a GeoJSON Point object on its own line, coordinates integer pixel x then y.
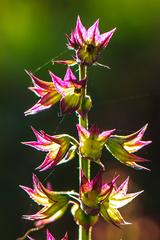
{"type": "Point", "coordinates": [84, 164]}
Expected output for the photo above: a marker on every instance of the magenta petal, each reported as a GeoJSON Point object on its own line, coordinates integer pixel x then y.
{"type": "Point", "coordinates": [69, 76]}
{"type": "Point", "coordinates": [105, 135]}
{"type": "Point", "coordinates": [93, 31]}
{"type": "Point", "coordinates": [97, 182]}
{"type": "Point", "coordinates": [49, 236]}
{"type": "Point", "coordinates": [86, 185]}
{"type": "Point", "coordinates": [27, 189]}
{"type": "Point", "coordinates": [94, 130]}
{"type": "Point", "coordinates": [82, 132]}
{"type": "Point", "coordinates": [38, 107]}
{"type": "Point", "coordinates": [50, 161]}
{"type": "Point", "coordinates": [38, 82]}
{"type": "Point", "coordinates": [80, 31]}
{"type": "Point", "coordinates": [104, 38]}
{"type": "Point", "coordinates": [59, 84]}
{"type": "Point", "coordinates": [124, 186]}
{"type": "Point", "coordinates": [38, 91]}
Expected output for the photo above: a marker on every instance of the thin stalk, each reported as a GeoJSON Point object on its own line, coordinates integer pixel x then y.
{"type": "Point", "coordinates": [84, 164]}
{"type": "Point", "coordinates": [84, 234]}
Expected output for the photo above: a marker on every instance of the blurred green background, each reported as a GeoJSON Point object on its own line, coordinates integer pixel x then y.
{"type": "Point", "coordinates": [125, 98]}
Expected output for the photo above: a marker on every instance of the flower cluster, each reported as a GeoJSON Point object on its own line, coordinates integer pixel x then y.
{"type": "Point", "coordinates": [103, 199]}
{"type": "Point", "coordinates": [62, 148]}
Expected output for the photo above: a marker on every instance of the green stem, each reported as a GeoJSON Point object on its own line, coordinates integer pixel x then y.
{"type": "Point", "coordinates": [84, 164]}
{"type": "Point", "coordinates": [84, 234]}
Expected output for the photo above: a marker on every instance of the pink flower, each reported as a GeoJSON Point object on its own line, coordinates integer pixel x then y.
{"type": "Point", "coordinates": [54, 203]}
{"type": "Point", "coordinates": [68, 91]}
{"type": "Point", "coordinates": [92, 142]}
{"type": "Point", "coordinates": [88, 43]}
{"type": "Point", "coordinates": [123, 147]}
{"type": "Point", "coordinates": [57, 146]}
{"type": "Point", "coordinates": [105, 199]}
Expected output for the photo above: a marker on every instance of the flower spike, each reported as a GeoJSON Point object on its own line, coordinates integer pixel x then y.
{"type": "Point", "coordinates": [67, 91]}
{"type": "Point", "coordinates": [123, 147]}
{"type": "Point", "coordinates": [92, 142]}
{"type": "Point", "coordinates": [88, 43]}
{"type": "Point", "coordinates": [54, 203]}
{"type": "Point", "coordinates": [57, 146]}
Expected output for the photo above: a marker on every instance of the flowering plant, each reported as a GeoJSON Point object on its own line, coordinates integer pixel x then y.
{"type": "Point", "coordinates": [94, 198]}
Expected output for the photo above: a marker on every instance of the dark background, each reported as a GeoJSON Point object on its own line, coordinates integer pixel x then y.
{"type": "Point", "coordinates": [125, 98]}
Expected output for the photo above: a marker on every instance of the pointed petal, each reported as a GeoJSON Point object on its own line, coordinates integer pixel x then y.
{"type": "Point", "coordinates": [42, 146]}
{"type": "Point", "coordinates": [62, 87]}
{"type": "Point", "coordinates": [132, 143]}
{"type": "Point", "coordinates": [94, 130]}
{"type": "Point", "coordinates": [93, 31]}
{"type": "Point", "coordinates": [37, 193]}
{"type": "Point", "coordinates": [123, 188]}
{"type": "Point", "coordinates": [115, 216]}
{"type": "Point", "coordinates": [97, 182]}
{"type": "Point", "coordinates": [134, 147]}
{"type": "Point", "coordinates": [49, 236]}
{"type": "Point", "coordinates": [123, 156]}
{"type": "Point", "coordinates": [80, 31]}
{"type": "Point", "coordinates": [82, 132]}
{"type": "Point", "coordinates": [105, 135]}
{"type": "Point", "coordinates": [50, 160]}
{"type": "Point", "coordinates": [104, 38]}
{"type": "Point", "coordinates": [86, 185]}
{"type": "Point", "coordinates": [134, 136]}
{"type": "Point", "coordinates": [38, 91]}
{"type": "Point", "coordinates": [119, 200]}
{"type": "Point", "coordinates": [69, 76]}
{"type": "Point", "coordinates": [38, 83]}
{"type": "Point", "coordinates": [38, 107]}
{"type": "Point", "coordinates": [54, 214]}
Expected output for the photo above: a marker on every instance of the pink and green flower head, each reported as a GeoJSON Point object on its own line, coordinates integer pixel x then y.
{"type": "Point", "coordinates": [58, 147]}
{"type": "Point", "coordinates": [67, 91]}
{"type": "Point", "coordinates": [105, 198]}
{"type": "Point", "coordinates": [123, 147]}
{"type": "Point", "coordinates": [50, 237]}
{"type": "Point", "coordinates": [54, 203]}
{"type": "Point", "coordinates": [92, 142]}
{"type": "Point", "coordinates": [88, 43]}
